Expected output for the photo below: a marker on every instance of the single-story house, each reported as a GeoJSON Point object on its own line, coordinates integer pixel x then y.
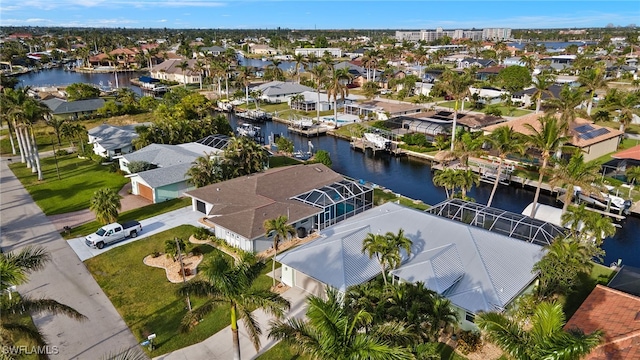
{"type": "Point", "coordinates": [432, 123]}
{"type": "Point", "coordinates": [593, 140]}
{"type": "Point", "coordinates": [525, 97]}
{"type": "Point", "coordinates": [73, 109]}
{"type": "Point", "coordinates": [211, 50]}
{"type": "Point", "coordinates": [471, 62]}
{"type": "Point", "coordinates": [489, 72]}
{"type": "Point", "coordinates": [167, 180]}
{"type": "Point", "coordinates": [381, 110]}
{"type": "Point", "coordinates": [168, 70]}
{"type": "Point", "coordinates": [560, 62]}
{"type": "Point", "coordinates": [476, 269]}
{"type": "Point", "coordinates": [262, 49]}
{"type": "Point", "coordinates": [615, 313]}
{"type": "Point", "coordinates": [488, 95]}
{"type": "Point", "coordinates": [311, 101]}
{"type": "Point", "coordinates": [109, 141]}
{"type": "Point", "coordinates": [311, 196]}
{"type": "Point", "coordinates": [279, 91]}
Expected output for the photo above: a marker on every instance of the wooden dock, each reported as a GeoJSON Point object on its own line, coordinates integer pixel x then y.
{"type": "Point", "coordinates": [363, 144]}
{"type": "Point", "coordinates": [312, 131]}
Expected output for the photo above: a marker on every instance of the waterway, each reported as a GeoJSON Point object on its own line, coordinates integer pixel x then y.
{"type": "Point", "coordinates": [554, 45]}
{"type": "Point", "coordinates": [407, 176]}
{"type": "Point", "coordinates": [61, 77]}
{"type": "Point", "coordinates": [413, 178]}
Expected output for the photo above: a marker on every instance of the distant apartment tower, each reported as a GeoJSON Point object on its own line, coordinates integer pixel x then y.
{"type": "Point", "coordinates": [319, 52]}
{"type": "Point", "coordinates": [430, 35]}
{"type": "Point", "coordinates": [496, 34]}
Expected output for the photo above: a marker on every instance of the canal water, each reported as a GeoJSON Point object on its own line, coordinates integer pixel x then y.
{"type": "Point", "coordinates": [403, 175]}
{"type": "Point", "coordinates": [413, 178]}
{"type": "Point", "coordinates": [61, 77]}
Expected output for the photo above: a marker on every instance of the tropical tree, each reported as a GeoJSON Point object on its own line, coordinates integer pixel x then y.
{"type": "Point", "coordinates": [244, 78]}
{"type": "Point", "coordinates": [274, 70]}
{"type": "Point", "coordinates": [587, 226]}
{"type": "Point", "coordinates": [567, 104]}
{"type": "Point", "coordinates": [206, 170]}
{"type": "Point", "coordinates": [505, 141]}
{"type": "Point", "coordinates": [625, 103]}
{"type": "Point", "coordinates": [299, 61]}
{"type": "Point", "coordinates": [323, 157]}
{"type": "Point", "coordinates": [541, 84]}
{"type": "Point", "coordinates": [386, 249]}
{"type": "Point", "coordinates": [457, 86]}
{"type": "Point", "coordinates": [547, 138]}
{"type": "Point", "coordinates": [14, 270]}
{"type": "Point", "coordinates": [33, 111]}
{"type": "Point", "coordinates": [113, 61]}
{"type": "Point", "coordinates": [334, 331]}
{"type": "Point", "coordinates": [447, 179]}
{"type": "Point", "coordinates": [319, 73]}
{"type": "Point", "coordinates": [592, 80]}
{"type": "Point", "coordinates": [468, 145]}
{"type": "Point", "coordinates": [544, 339]}
{"type": "Point", "coordinates": [173, 247]}
{"type": "Point", "coordinates": [105, 203]}
{"type": "Point", "coordinates": [242, 156]}
{"type": "Point", "coordinates": [575, 172]}
{"type": "Point", "coordinates": [224, 282]}
{"type": "Point", "coordinates": [633, 174]}
{"type": "Point", "coordinates": [184, 66]}
{"type": "Point", "coordinates": [279, 229]}
{"type": "Point", "coordinates": [465, 180]}
{"type": "Point", "coordinates": [336, 87]}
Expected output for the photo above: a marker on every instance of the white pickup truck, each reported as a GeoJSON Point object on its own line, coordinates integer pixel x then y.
{"type": "Point", "coordinates": [112, 233]}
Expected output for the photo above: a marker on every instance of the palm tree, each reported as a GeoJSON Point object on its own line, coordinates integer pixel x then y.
{"type": "Point", "coordinates": [506, 142]}
{"type": "Point", "coordinates": [299, 61]}
{"type": "Point", "coordinates": [14, 270]}
{"type": "Point", "coordinates": [206, 170]}
{"type": "Point", "coordinates": [586, 225]}
{"type": "Point", "coordinates": [456, 85]}
{"type": "Point", "coordinates": [319, 74]}
{"type": "Point", "coordinates": [242, 156]}
{"type": "Point", "coordinates": [276, 71]}
{"type": "Point", "coordinates": [575, 172]}
{"type": "Point", "coordinates": [244, 77]}
{"type": "Point", "coordinates": [633, 175]}
{"type": "Point", "coordinates": [113, 61]}
{"type": "Point", "coordinates": [625, 103]}
{"type": "Point", "coordinates": [592, 80]}
{"type": "Point", "coordinates": [279, 229]}
{"type": "Point", "coordinates": [334, 331]}
{"type": "Point", "coordinates": [184, 66]}
{"type": "Point", "coordinates": [468, 145]}
{"type": "Point", "coordinates": [223, 282]}
{"type": "Point", "coordinates": [199, 67]}
{"type": "Point", "coordinates": [296, 99]}
{"type": "Point", "coordinates": [567, 104]}
{"type": "Point", "coordinates": [105, 203]}
{"type": "Point", "coordinates": [541, 83]}
{"type": "Point", "coordinates": [447, 179]}
{"type": "Point", "coordinates": [465, 179]}
{"type": "Point", "coordinates": [386, 249]}
{"type": "Point", "coordinates": [545, 338]}
{"type": "Point", "coordinates": [547, 139]}
{"type": "Point", "coordinates": [336, 87]}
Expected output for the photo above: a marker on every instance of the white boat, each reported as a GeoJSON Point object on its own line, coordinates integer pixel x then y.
{"type": "Point", "coordinates": [302, 155]}
{"type": "Point", "coordinates": [225, 105]}
{"type": "Point", "coordinates": [248, 130]}
{"type": "Point", "coordinates": [302, 123]}
{"type": "Point", "coordinates": [377, 141]}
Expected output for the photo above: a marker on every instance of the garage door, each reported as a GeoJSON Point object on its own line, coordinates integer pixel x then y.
{"type": "Point", "coordinates": [145, 191]}
{"type": "Point", "coordinates": [309, 284]}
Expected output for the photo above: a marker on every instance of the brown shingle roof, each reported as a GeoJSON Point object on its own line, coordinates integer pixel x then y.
{"type": "Point", "coordinates": [243, 204]}
{"type": "Point", "coordinates": [518, 125]}
{"type": "Point", "coordinates": [617, 314]}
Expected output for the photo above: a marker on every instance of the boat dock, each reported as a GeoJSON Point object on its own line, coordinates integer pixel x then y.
{"type": "Point", "coordinates": [310, 131]}
{"type": "Point", "coordinates": [363, 144]}
{"type": "Point", "coordinates": [253, 115]}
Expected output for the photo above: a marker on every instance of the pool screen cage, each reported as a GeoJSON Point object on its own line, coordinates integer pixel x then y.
{"type": "Point", "coordinates": [511, 224]}
{"type": "Point", "coordinates": [338, 201]}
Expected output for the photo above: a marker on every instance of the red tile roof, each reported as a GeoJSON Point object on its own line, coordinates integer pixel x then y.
{"type": "Point", "coordinates": [631, 153]}
{"type": "Point", "coordinates": [617, 314]}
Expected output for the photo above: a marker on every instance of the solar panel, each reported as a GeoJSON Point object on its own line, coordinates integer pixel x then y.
{"type": "Point", "coordinates": [593, 134]}
{"type": "Point", "coordinates": [584, 128]}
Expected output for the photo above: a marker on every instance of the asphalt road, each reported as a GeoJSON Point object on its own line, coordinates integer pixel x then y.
{"type": "Point", "coordinates": [65, 279]}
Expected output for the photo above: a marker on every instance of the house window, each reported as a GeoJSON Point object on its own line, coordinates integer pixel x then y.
{"type": "Point", "coordinates": [469, 316]}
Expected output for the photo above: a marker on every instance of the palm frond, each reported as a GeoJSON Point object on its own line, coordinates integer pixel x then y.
{"type": "Point", "coordinates": [251, 325]}
{"type": "Point", "coordinates": [133, 353]}
{"type": "Point", "coordinates": [32, 334]}
{"type": "Point", "coordinates": [193, 317]}
{"type": "Point", "coordinates": [49, 306]}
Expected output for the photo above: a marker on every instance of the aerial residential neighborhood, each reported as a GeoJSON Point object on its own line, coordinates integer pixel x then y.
{"type": "Point", "coordinates": [266, 180]}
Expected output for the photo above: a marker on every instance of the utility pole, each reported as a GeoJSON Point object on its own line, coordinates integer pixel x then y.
{"type": "Point", "coordinates": [184, 278]}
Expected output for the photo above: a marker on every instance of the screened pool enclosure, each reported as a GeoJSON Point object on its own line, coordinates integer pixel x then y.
{"type": "Point", "coordinates": [514, 225]}
{"type": "Point", "coordinates": [338, 201]}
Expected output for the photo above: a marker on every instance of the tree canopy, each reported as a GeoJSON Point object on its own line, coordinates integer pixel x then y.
{"type": "Point", "coordinates": [514, 78]}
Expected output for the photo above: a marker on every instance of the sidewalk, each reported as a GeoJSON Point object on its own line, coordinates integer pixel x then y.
{"type": "Point", "coordinates": [220, 347]}
{"type": "Point", "coordinates": [150, 226]}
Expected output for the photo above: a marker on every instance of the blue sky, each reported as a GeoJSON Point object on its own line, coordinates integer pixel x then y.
{"type": "Point", "coordinates": [327, 14]}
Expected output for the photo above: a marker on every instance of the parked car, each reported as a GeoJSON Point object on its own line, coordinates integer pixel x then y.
{"type": "Point", "coordinates": [112, 233]}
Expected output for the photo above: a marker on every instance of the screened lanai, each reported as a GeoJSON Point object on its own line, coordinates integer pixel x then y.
{"type": "Point", "coordinates": [514, 225]}
{"type": "Point", "coordinates": [219, 142]}
{"type": "Point", "coordinates": [338, 201]}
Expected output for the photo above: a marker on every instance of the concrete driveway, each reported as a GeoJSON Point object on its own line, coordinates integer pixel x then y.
{"type": "Point", "coordinates": [64, 279]}
{"type": "Point", "coordinates": [150, 226]}
{"type": "Point", "coordinates": [220, 347]}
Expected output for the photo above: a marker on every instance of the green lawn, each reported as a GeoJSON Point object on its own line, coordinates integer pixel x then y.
{"type": "Point", "coordinates": [278, 161]}
{"type": "Point", "coordinates": [142, 213]}
{"type": "Point", "coordinates": [380, 197]}
{"type": "Point", "coordinates": [79, 179]}
{"type": "Point", "coordinates": [625, 144]}
{"type": "Point", "coordinates": [599, 275]}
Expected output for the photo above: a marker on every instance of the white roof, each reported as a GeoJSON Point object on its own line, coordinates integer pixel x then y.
{"type": "Point", "coordinates": [476, 269]}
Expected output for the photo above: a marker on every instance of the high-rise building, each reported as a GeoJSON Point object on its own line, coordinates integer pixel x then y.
{"type": "Point", "coordinates": [430, 35]}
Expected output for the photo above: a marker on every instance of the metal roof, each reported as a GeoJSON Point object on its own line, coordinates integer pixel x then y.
{"type": "Point", "coordinates": [476, 269]}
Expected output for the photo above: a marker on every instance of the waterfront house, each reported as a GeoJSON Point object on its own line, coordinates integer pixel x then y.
{"type": "Point", "coordinates": [279, 91]}
{"type": "Point", "coordinates": [167, 179]}
{"type": "Point", "coordinates": [73, 109]}
{"type": "Point", "coordinates": [168, 70]}
{"type": "Point", "coordinates": [476, 269]}
{"type": "Point", "coordinates": [109, 141]}
{"type": "Point", "coordinates": [310, 101]}
{"type": "Point", "coordinates": [210, 50]}
{"type": "Point", "coordinates": [381, 110]}
{"type": "Point", "coordinates": [261, 49]}
{"type": "Point", "coordinates": [433, 123]}
{"type": "Point", "coordinates": [616, 314]}
{"type": "Point", "coordinates": [312, 197]}
{"type": "Point", "coordinates": [593, 140]}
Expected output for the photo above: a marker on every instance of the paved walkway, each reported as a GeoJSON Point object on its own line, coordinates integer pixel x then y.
{"type": "Point", "coordinates": [64, 279]}
{"type": "Point", "coordinates": [220, 346]}
{"type": "Point", "coordinates": [150, 226]}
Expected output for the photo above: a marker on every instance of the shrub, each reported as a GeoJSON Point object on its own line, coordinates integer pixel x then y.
{"type": "Point", "coordinates": [201, 233]}
{"type": "Point", "coordinates": [196, 251]}
{"type": "Point", "coordinates": [62, 152]}
{"type": "Point", "coordinates": [469, 341]}
{"type": "Point", "coordinates": [155, 254]}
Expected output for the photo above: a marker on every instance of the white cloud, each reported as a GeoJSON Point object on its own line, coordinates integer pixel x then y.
{"type": "Point", "coordinates": [162, 21]}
